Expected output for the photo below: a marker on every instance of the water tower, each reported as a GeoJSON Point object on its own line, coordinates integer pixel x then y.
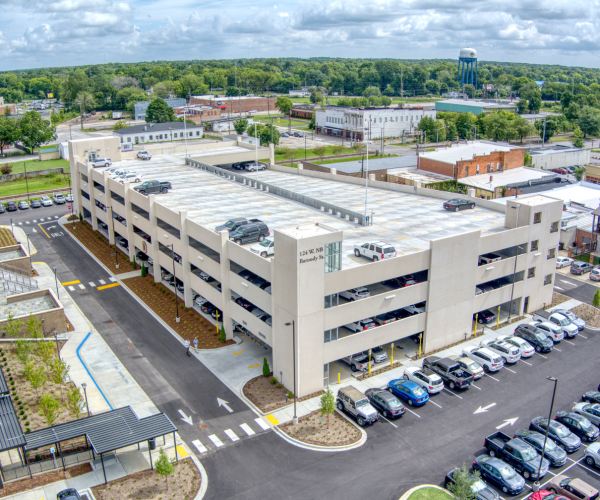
{"type": "Point", "coordinates": [467, 67]}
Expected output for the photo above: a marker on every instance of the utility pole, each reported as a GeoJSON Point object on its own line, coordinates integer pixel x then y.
{"type": "Point", "coordinates": [401, 87]}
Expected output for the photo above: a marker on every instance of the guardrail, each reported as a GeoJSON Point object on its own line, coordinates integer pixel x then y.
{"type": "Point", "coordinates": [9, 276]}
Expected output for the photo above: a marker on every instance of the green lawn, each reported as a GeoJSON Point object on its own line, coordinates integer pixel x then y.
{"type": "Point", "coordinates": [350, 158]}
{"type": "Point", "coordinates": [34, 165]}
{"type": "Point", "coordinates": [43, 183]}
{"type": "Point", "coordinates": [430, 494]}
{"type": "Point", "coordinates": [311, 153]}
{"type": "Point", "coordinates": [560, 139]}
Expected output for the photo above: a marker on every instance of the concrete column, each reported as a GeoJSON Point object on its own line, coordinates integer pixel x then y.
{"type": "Point", "coordinates": [129, 219]}
{"type": "Point", "coordinates": [471, 192]}
{"type": "Point", "coordinates": [333, 171]}
{"type": "Point", "coordinates": [75, 182]}
{"type": "Point", "coordinates": [185, 260]}
{"type": "Point", "coordinates": [109, 217]}
{"type": "Point", "coordinates": [93, 206]}
{"type": "Point", "coordinates": [225, 290]}
{"type": "Point", "coordinates": [371, 177]}
{"type": "Point", "coordinates": [154, 238]}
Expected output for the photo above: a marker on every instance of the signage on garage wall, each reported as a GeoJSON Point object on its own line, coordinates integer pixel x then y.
{"type": "Point", "coordinates": [311, 255]}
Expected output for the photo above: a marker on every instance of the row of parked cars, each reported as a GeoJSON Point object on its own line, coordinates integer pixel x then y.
{"type": "Point", "coordinates": [459, 372]}
{"type": "Point", "coordinates": [579, 267]}
{"type": "Point", "coordinates": [44, 201]}
{"type": "Point", "coordinates": [250, 166]}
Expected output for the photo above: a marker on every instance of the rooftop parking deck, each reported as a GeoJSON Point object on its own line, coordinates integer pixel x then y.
{"type": "Point", "coordinates": [406, 221]}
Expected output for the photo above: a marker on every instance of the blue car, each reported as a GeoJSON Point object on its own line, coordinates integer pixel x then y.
{"type": "Point", "coordinates": [500, 474]}
{"type": "Point", "coordinates": [409, 392]}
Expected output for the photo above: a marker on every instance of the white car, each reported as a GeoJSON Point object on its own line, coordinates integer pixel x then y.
{"type": "Point", "coordinates": [489, 361]}
{"type": "Point", "coordinates": [258, 312]}
{"type": "Point", "coordinates": [592, 454]}
{"type": "Point", "coordinates": [509, 352]}
{"type": "Point", "coordinates": [425, 378]}
{"type": "Point", "coordinates": [415, 308]}
{"type": "Point", "coordinates": [356, 293]}
{"type": "Point", "coordinates": [563, 262]}
{"type": "Point", "coordinates": [200, 301]}
{"type": "Point", "coordinates": [150, 261]}
{"type": "Point", "coordinates": [253, 167]}
{"type": "Point", "coordinates": [117, 173]}
{"type": "Point", "coordinates": [46, 201]}
{"type": "Point", "coordinates": [131, 178]}
{"type": "Point", "coordinates": [265, 248]}
{"type": "Point", "coordinates": [552, 331]}
{"type": "Point", "coordinates": [363, 324]}
{"type": "Point", "coordinates": [527, 350]}
{"type": "Point", "coordinates": [378, 354]}
{"type": "Point", "coordinates": [358, 362]}
{"type": "Point", "coordinates": [589, 411]}
{"type": "Point", "coordinates": [144, 155]}
{"type": "Point", "coordinates": [595, 274]}
{"type": "Point", "coordinates": [101, 162]}
{"type": "Point", "coordinates": [375, 251]}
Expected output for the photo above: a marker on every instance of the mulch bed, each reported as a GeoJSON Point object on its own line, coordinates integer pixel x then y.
{"type": "Point", "coordinates": [162, 301]}
{"type": "Point", "coordinates": [6, 238]}
{"type": "Point", "coordinates": [558, 298]}
{"type": "Point", "coordinates": [183, 484]}
{"type": "Point", "coordinates": [43, 480]}
{"type": "Point", "coordinates": [98, 245]}
{"type": "Point", "coordinates": [589, 314]}
{"type": "Point", "coordinates": [312, 429]}
{"type": "Point", "coordinates": [267, 396]}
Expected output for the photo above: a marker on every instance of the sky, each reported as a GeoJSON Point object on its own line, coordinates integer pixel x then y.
{"type": "Point", "coordinates": [42, 33]}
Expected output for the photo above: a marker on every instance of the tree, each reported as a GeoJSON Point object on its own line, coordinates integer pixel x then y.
{"type": "Point", "coordinates": [121, 124]}
{"type": "Point", "coordinates": [58, 374]}
{"type": "Point", "coordinates": [312, 123]}
{"type": "Point", "coordinates": [527, 159]}
{"type": "Point", "coordinates": [159, 111]}
{"type": "Point", "coordinates": [521, 127]}
{"type": "Point", "coordinates": [49, 409]}
{"type": "Point", "coordinates": [369, 91]}
{"type": "Point", "coordinates": [34, 327]}
{"type": "Point", "coordinates": [222, 335]}
{"type": "Point", "coordinates": [337, 150]}
{"type": "Point", "coordinates": [268, 132]}
{"type": "Point", "coordinates": [461, 487]}
{"type": "Point", "coordinates": [523, 106]}
{"type": "Point", "coordinates": [240, 125]}
{"type": "Point", "coordinates": [578, 138]}
{"type": "Point", "coordinates": [254, 129]}
{"type": "Point", "coordinates": [164, 466]}
{"type": "Point", "coordinates": [35, 131]}
{"type": "Point", "coordinates": [23, 350]}
{"type": "Point", "coordinates": [86, 102]}
{"type": "Point", "coordinates": [12, 327]}
{"type": "Point", "coordinates": [427, 125]}
{"type": "Point", "coordinates": [327, 405]}
{"type": "Point", "coordinates": [266, 368]}
{"type": "Point", "coordinates": [589, 121]}
{"type": "Point", "coordinates": [320, 151]}
{"type": "Point", "coordinates": [75, 403]}
{"type": "Point", "coordinates": [36, 375]}
{"type": "Point", "coordinates": [284, 104]}
{"type": "Point", "coordinates": [46, 351]}
{"type": "Point", "coordinates": [316, 97]}
{"type": "Point", "coordinates": [290, 154]}
{"type": "Point", "coordinates": [451, 133]}
{"type": "Point", "coordinates": [579, 173]}
{"type": "Point", "coordinates": [469, 90]}
{"type": "Point", "coordinates": [596, 299]}
{"type": "Point", "coordinates": [9, 132]}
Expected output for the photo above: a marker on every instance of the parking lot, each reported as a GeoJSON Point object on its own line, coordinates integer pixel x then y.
{"type": "Point", "coordinates": [451, 428]}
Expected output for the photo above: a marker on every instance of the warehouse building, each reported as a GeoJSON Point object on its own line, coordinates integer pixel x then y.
{"type": "Point", "coordinates": [319, 222]}
{"type": "Point", "coordinates": [475, 107]}
{"type": "Point", "coordinates": [237, 104]}
{"type": "Point", "coordinates": [559, 156]}
{"type": "Point", "coordinates": [139, 108]}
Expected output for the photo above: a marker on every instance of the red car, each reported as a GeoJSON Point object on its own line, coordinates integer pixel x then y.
{"type": "Point", "coordinates": [545, 495]}
{"type": "Point", "coordinates": [561, 170]}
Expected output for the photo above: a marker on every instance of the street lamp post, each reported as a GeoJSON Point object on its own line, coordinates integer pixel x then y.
{"type": "Point", "coordinates": [56, 339]}
{"type": "Point", "coordinates": [293, 325]}
{"type": "Point", "coordinates": [536, 484]}
{"type": "Point", "coordinates": [56, 283]}
{"type": "Point", "coordinates": [185, 132]}
{"type": "Point", "coordinates": [84, 385]}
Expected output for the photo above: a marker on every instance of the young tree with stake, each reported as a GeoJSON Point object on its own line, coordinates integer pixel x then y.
{"type": "Point", "coordinates": [164, 466]}
{"type": "Point", "coordinates": [327, 405]}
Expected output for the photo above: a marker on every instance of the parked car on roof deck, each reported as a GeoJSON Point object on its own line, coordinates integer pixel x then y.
{"type": "Point", "coordinates": [375, 251]}
{"type": "Point", "coordinates": [457, 204]}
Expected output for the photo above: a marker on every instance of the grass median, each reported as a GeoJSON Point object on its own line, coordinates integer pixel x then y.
{"type": "Point", "coordinates": [18, 167]}
{"type": "Point", "coordinates": [429, 493]}
{"type": "Point", "coordinates": [34, 184]}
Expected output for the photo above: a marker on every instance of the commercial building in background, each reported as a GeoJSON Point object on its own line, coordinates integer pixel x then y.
{"type": "Point", "coordinates": [295, 303]}
{"type": "Point", "coordinates": [475, 107]}
{"type": "Point", "coordinates": [474, 158]}
{"type": "Point", "coordinates": [237, 104]}
{"type": "Point", "coordinates": [139, 108]}
{"type": "Point", "coordinates": [198, 113]}
{"type": "Point", "coordinates": [356, 124]}
{"type": "Point", "coordinates": [159, 132]}
{"type": "Point", "coordinates": [303, 111]}
{"type": "Point", "coordinates": [558, 156]}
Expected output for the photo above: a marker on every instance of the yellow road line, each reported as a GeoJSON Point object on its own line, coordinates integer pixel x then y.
{"type": "Point", "coordinates": [70, 283]}
{"type": "Point", "coordinates": [40, 226]}
{"type": "Point", "coordinates": [272, 419]}
{"type": "Point", "coordinates": [108, 286]}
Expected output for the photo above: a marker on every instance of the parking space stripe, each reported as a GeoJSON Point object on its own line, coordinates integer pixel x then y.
{"type": "Point", "coordinates": [526, 362]}
{"type": "Point", "coordinates": [216, 441]}
{"type": "Point", "coordinates": [452, 393]}
{"type": "Point", "coordinates": [556, 348]}
{"type": "Point", "coordinates": [92, 284]}
{"type": "Point", "coordinates": [42, 219]}
{"type": "Point", "coordinates": [569, 342]}
{"type": "Point", "coordinates": [112, 279]}
{"type": "Point", "coordinates": [70, 283]}
{"type": "Point", "coordinates": [102, 282]}
{"type": "Point", "coordinates": [263, 425]}
{"type": "Point", "coordinates": [413, 413]}
{"type": "Point", "coordinates": [231, 435]}
{"type": "Point", "coordinates": [247, 429]}
{"type": "Point", "coordinates": [434, 403]}
{"type": "Point", "coordinates": [541, 355]}
{"type": "Point", "coordinates": [71, 288]}
{"type": "Point", "coordinates": [510, 370]}
{"type": "Point", "coordinates": [34, 220]}
{"type": "Point", "coordinates": [381, 416]}
{"type": "Point", "coordinates": [81, 287]}
{"type": "Point", "coordinates": [27, 222]}
{"type": "Point", "coordinates": [583, 336]}
{"type": "Point", "coordinates": [491, 377]}
{"type": "Point", "coordinates": [199, 446]}
{"type": "Point", "coordinates": [478, 388]}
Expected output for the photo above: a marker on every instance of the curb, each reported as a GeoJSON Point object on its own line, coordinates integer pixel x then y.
{"type": "Point", "coordinates": [412, 490]}
{"type": "Point", "coordinates": [325, 449]}
{"type": "Point", "coordinates": [203, 476]}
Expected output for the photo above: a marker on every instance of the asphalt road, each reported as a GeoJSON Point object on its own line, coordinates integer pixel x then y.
{"type": "Point", "coordinates": [418, 448]}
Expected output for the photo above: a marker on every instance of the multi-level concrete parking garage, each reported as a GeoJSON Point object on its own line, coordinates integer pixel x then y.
{"type": "Point", "coordinates": [316, 220]}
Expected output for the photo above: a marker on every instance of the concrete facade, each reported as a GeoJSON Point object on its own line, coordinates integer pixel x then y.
{"type": "Point", "coordinates": [54, 319]}
{"type": "Point", "coordinates": [557, 156]}
{"type": "Point", "coordinates": [159, 132]}
{"type": "Point", "coordinates": [23, 262]}
{"type": "Point", "coordinates": [307, 271]}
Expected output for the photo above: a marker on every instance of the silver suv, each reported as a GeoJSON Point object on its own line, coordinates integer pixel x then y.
{"type": "Point", "coordinates": [489, 361]}
{"type": "Point", "coordinates": [425, 378]}
{"type": "Point", "coordinates": [358, 362]}
{"type": "Point", "coordinates": [354, 402]}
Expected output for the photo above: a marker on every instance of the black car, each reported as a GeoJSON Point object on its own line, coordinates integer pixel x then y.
{"type": "Point", "coordinates": [484, 317]}
{"type": "Point", "coordinates": [482, 491]}
{"type": "Point", "coordinates": [68, 494]}
{"type": "Point", "coordinates": [400, 314]}
{"type": "Point", "coordinates": [537, 339]}
{"type": "Point", "coordinates": [35, 204]}
{"type": "Point", "coordinates": [401, 281]}
{"type": "Point", "coordinates": [298, 134]}
{"type": "Point", "coordinates": [11, 206]}
{"type": "Point", "coordinates": [284, 134]}
{"type": "Point", "coordinates": [457, 204]}
{"type": "Point", "coordinates": [556, 455]}
{"type": "Point", "coordinates": [244, 273]}
{"type": "Point", "coordinates": [578, 425]}
{"type": "Point", "coordinates": [241, 301]}
{"type": "Point", "coordinates": [592, 396]}
{"type": "Point", "coordinates": [142, 256]}
{"type": "Point", "coordinates": [385, 403]}
{"type": "Point", "coordinates": [558, 433]}
{"type": "Point", "coordinates": [254, 231]}
{"type": "Point", "coordinates": [207, 308]}
{"type": "Point", "coordinates": [499, 473]}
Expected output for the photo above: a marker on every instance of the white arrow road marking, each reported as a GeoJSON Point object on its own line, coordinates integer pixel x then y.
{"type": "Point", "coordinates": [185, 418]}
{"type": "Point", "coordinates": [50, 227]}
{"type": "Point", "coordinates": [231, 435]}
{"type": "Point", "coordinates": [216, 441]}
{"type": "Point", "coordinates": [201, 448]}
{"type": "Point", "coordinates": [222, 402]}
{"type": "Point", "coordinates": [484, 409]}
{"type": "Point", "coordinates": [510, 421]}
{"type": "Point", "coordinates": [247, 429]}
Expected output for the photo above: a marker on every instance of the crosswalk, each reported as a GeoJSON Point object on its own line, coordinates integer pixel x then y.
{"type": "Point", "coordinates": [215, 442]}
{"type": "Point", "coordinates": [35, 221]}
{"type": "Point", "coordinates": [72, 286]}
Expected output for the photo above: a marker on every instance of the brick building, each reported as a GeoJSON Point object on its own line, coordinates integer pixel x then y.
{"type": "Point", "coordinates": [303, 111]}
{"type": "Point", "coordinates": [199, 114]}
{"type": "Point", "coordinates": [237, 104]}
{"type": "Point", "coordinates": [472, 159]}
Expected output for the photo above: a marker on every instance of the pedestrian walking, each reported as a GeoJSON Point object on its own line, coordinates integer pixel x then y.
{"type": "Point", "coordinates": [187, 347]}
{"type": "Point", "coordinates": [196, 344]}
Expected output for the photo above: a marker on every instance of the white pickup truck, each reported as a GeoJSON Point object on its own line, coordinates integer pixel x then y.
{"type": "Point", "coordinates": [144, 155]}
{"type": "Point", "coordinates": [569, 328]}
